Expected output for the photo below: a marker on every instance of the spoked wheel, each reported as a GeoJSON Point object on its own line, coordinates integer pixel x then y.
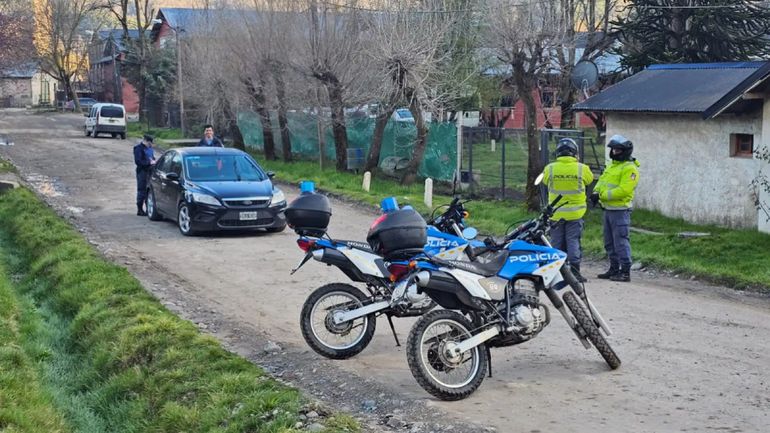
{"type": "Point", "coordinates": [330, 339]}
{"type": "Point", "coordinates": [591, 330]}
{"type": "Point", "coordinates": [440, 371]}
{"type": "Point", "coordinates": [184, 220]}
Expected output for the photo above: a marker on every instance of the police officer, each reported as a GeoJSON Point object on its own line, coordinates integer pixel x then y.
{"type": "Point", "coordinates": [615, 192]}
{"type": "Point", "coordinates": [568, 177]}
{"type": "Point", "coordinates": [143, 163]}
{"type": "Point", "coordinates": [209, 140]}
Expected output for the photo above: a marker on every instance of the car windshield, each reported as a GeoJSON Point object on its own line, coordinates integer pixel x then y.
{"type": "Point", "coordinates": [222, 168]}
{"type": "Point", "coordinates": [112, 112]}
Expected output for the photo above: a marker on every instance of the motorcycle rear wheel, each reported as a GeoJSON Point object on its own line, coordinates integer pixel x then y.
{"type": "Point", "coordinates": [591, 330]}
{"type": "Point", "coordinates": [320, 332]}
{"type": "Point", "coordinates": [431, 369]}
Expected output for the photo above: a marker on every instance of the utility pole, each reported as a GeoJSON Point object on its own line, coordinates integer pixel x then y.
{"type": "Point", "coordinates": [179, 78]}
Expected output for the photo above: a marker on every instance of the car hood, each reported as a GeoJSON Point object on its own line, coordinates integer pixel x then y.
{"type": "Point", "coordinates": [242, 189]}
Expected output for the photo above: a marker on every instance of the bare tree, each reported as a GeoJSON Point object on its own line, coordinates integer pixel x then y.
{"type": "Point", "coordinates": [587, 36]}
{"type": "Point", "coordinates": [525, 36]}
{"type": "Point", "coordinates": [60, 44]}
{"type": "Point", "coordinates": [332, 55]}
{"type": "Point", "coordinates": [411, 48]}
{"type": "Point", "coordinates": [16, 23]}
{"type": "Point", "coordinates": [137, 16]}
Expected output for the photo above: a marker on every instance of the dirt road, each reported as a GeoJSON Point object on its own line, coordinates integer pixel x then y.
{"type": "Point", "coordinates": [695, 357]}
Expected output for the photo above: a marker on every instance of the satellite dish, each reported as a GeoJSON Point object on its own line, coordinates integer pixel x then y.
{"type": "Point", "coordinates": [584, 75]}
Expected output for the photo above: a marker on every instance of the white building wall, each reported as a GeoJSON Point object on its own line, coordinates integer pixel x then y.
{"type": "Point", "coordinates": [764, 167]}
{"type": "Point", "coordinates": [686, 168]}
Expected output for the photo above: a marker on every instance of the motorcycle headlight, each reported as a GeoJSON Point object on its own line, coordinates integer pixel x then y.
{"type": "Point", "coordinates": [205, 199]}
{"type": "Point", "coordinates": [278, 197]}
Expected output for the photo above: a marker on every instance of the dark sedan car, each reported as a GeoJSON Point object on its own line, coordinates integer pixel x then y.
{"type": "Point", "coordinates": [214, 188]}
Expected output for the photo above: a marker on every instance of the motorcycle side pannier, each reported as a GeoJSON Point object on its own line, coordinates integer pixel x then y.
{"type": "Point", "coordinates": [309, 214]}
{"type": "Point", "coordinates": [396, 232]}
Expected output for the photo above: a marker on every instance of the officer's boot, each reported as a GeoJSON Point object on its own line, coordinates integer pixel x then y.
{"type": "Point", "coordinates": [614, 269]}
{"type": "Point", "coordinates": [578, 275]}
{"type": "Point", "coordinates": [139, 210]}
{"type": "Point", "coordinates": [623, 275]}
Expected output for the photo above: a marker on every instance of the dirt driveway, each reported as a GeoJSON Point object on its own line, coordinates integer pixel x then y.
{"type": "Point", "coordinates": [695, 358]}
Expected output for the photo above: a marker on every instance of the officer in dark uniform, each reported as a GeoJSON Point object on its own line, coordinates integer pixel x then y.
{"type": "Point", "coordinates": [143, 165]}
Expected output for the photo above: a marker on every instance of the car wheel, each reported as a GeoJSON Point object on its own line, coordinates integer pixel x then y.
{"type": "Point", "coordinates": [114, 135]}
{"type": "Point", "coordinates": [184, 220]}
{"type": "Point", "coordinates": [122, 135]}
{"type": "Point", "coordinates": [95, 133]}
{"type": "Point", "coordinates": [88, 133]}
{"type": "Point", "coordinates": [152, 209]}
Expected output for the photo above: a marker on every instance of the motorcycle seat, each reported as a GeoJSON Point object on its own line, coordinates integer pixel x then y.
{"type": "Point", "coordinates": [488, 268]}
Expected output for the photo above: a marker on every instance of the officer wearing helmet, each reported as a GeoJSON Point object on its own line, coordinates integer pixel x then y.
{"type": "Point", "coordinates": [568, 177]}
{"type": "Point", "coordinates": [615, 192]}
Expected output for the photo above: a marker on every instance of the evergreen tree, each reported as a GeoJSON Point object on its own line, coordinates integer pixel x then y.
{"type": "Point", "coordinates": [693, 31]}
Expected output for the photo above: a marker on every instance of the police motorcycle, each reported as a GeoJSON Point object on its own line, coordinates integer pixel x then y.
{"type": "Point", "coordinates": [338, 320]}
{"type": "Point", "coordinates": [496, 304]}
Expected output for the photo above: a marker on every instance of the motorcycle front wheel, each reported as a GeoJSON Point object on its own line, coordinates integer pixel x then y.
{"type": "Point", "coordinates": [591, 330]}
{"type": "Point", "coordinates": [447, 377]}
{"type": "Point", "coordinates": [336, 341]}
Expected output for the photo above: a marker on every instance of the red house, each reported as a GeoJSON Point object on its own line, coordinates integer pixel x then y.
{"type": "Point", "coordinates": [107, 80]}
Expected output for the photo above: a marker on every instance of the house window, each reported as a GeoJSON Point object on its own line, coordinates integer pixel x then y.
{"type": "Point", "coordinates": [742, 145]}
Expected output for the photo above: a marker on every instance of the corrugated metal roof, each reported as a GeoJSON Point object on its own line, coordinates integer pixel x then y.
{"type": "Point", "coordinates": [26, 70]}
{"type": "Point", "coordinates": [680, 88]}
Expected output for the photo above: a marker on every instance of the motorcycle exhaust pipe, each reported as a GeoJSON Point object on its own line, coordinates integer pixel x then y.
{"type": "Point", "coordinates": [422, 278]}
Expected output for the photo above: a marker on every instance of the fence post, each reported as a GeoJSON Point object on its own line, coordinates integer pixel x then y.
{"type": "Point", "coordinates": [493, 145]}
{"type": "Point", "coordinates": [428, 196]}
{"type": "Point", "coordinates": [459, 148]}
{"type": "Point", "coordinates": [502, 166]}
{"type": "Point", "coordinates": [367, 181]}
{"type": "Point", "coordinates": [470, 166]}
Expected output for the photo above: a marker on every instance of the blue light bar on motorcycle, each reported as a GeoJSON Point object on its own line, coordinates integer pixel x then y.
{"type": "Point", "coordinates": [307, 186]}
{"type": "Point", "coordinates": [389, 204]}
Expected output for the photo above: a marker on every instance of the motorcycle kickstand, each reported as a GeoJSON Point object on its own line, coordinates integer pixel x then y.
{"type": "Point", "coordinates": [393, 329]}
{"type": "Point", "coordinates": [489, 359]}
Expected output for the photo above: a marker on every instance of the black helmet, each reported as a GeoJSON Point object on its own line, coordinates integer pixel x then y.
{"type": "Point", "coordinates": [566, 147]}
{"type": "Point", "coordinates": [623, 145]}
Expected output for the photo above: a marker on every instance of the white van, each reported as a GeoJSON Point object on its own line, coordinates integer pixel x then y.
{"type": "Point", "coordinates": [105, 118]}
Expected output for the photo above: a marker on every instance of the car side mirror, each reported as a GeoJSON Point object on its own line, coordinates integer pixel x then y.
{"type": "Point", "coordinates": [271, 174]}
{"type": "Point", "coordinates": [172, 176]}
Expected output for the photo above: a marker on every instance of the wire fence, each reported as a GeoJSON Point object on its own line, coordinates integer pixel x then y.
{"type": "Point", "coordinates": [494, 161]}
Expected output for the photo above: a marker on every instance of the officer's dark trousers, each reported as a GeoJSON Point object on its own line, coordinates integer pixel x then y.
{"type": "Point", "coordinates": [141, 186]}
{"type": "Point", "coordinates": [616, 243]}
{"type": "Point", "coordinates": [565, 236]}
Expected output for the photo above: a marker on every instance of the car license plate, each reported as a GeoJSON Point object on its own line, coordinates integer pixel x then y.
{"type": "Point", "coordinates": [248, 216]}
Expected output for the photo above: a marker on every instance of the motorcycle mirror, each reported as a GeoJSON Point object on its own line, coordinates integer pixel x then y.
{"type": "Point", "coordinates": [470, 233]}
{"type": "Point", "coordinates": [539, 179]}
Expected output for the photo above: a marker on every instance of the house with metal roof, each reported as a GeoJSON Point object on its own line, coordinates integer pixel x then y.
{"type": "Point", "coordinates": [25, 85]}
{"type": "Point", "coordinates": [106, 74]}
{"type": "Point", "coordinates": [695, 129]}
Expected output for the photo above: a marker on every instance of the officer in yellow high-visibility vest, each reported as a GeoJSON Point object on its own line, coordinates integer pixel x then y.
{"type": "Point", "coordinates": [615, 191]}
{"type": "Point", "coordinates": [568, 177]}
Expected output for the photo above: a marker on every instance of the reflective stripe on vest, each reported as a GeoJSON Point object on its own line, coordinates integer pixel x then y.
{"type": "Point", "coordinates": [553, 190]}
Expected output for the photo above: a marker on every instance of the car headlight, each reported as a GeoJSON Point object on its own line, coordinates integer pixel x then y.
{"type": "Point", "coordinates": [205, 199]}
{"type": "Point", "coordinates": [278, 197]}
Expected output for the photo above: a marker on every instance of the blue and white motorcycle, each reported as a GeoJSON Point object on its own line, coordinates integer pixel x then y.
{"type": "Point", "coordinates": [496, 304]}
{"type": "Point", "coordinates": [338, 320]}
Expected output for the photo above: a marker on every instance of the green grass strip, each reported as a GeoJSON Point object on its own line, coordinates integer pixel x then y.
{"type": "Point", "coordinates": [25, 406]}
{"type": "Point", "coordinates": [737, 258]}
{"type": "Point", "coordinates": [119, 360]}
